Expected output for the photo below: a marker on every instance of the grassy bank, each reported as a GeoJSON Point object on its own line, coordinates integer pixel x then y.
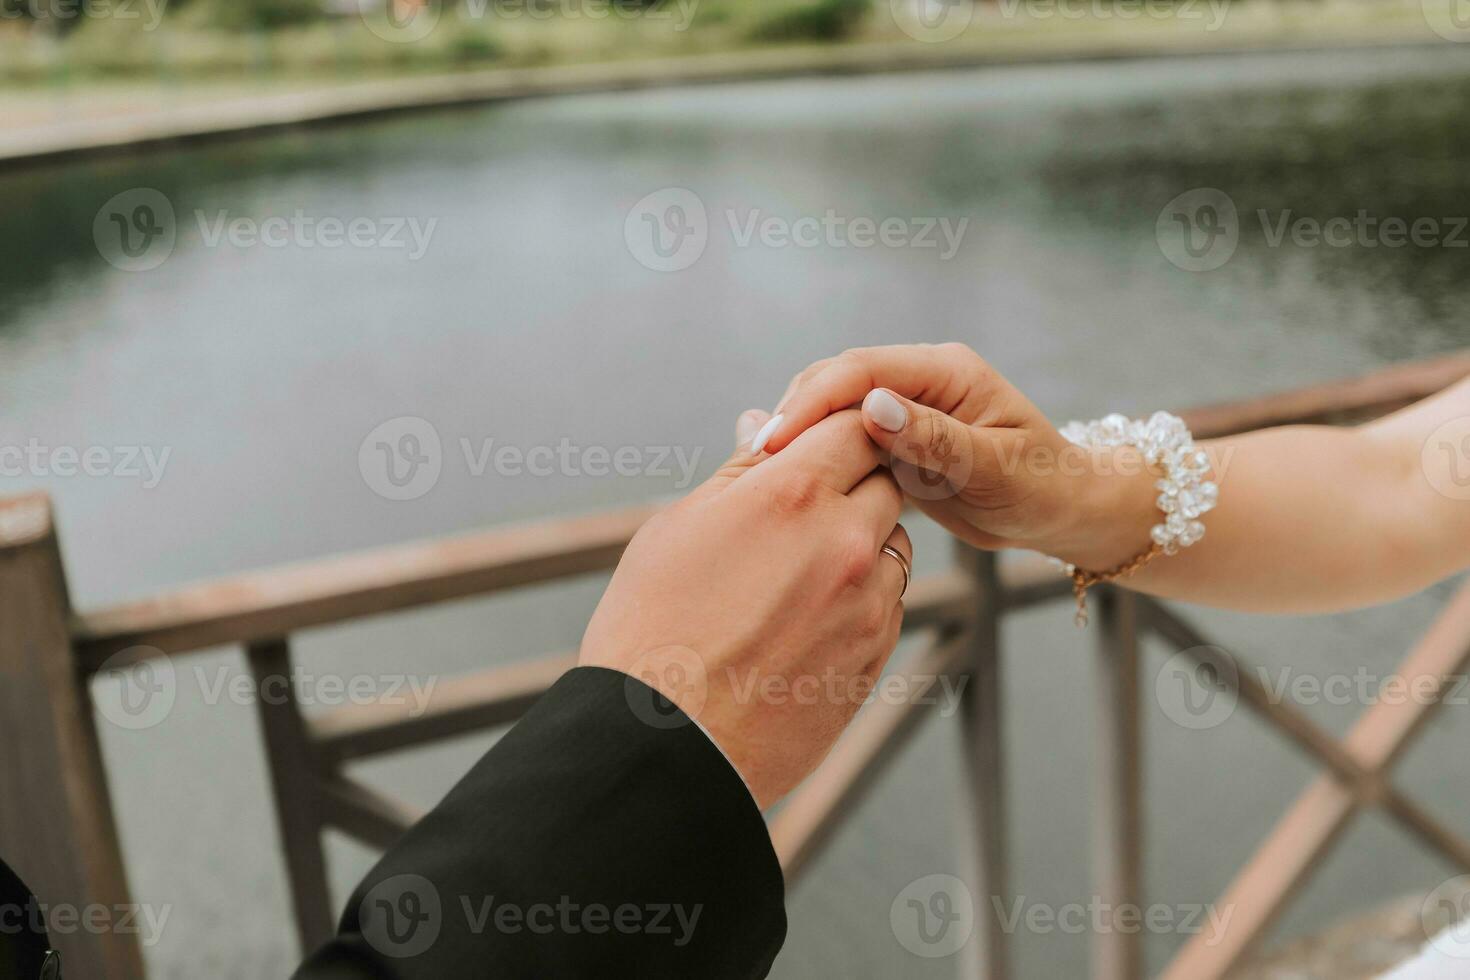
{"type": "Point", "coordinates": [133, 41]}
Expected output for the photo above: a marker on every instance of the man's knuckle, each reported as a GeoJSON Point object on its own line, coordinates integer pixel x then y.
{"type": "Point", "coordinates": [967, 356]}
{"type": "Point", "coordinates": [858, 556]}
{"type": "Point", "coordinates": [794, 495]}
{"type": "Point", "coordinates": [872, 622]}
{"type": "Point", "coordinates": [849, 425]}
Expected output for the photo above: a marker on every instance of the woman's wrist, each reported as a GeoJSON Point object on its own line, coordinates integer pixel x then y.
{"type": "Point", "coordinates": [1105, 513]}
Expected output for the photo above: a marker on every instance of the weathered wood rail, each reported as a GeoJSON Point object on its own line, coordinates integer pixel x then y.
{"type": "Point", "coordinates": [56, 821]}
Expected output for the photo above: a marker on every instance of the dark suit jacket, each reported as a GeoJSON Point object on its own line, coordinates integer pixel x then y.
{"type": "Point", "coordinates": [604, 836]}
{"type": "Point", "coordinates": [24, 946]}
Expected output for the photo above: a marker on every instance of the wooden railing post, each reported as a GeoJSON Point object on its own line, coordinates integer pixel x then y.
{"type": "Point", "coordinates": [1117, 847]}
{"type": "Point", "coordinates": [56, 822]}
{"type": "Point", "coordinates": [297, 788]}
{"type": "Point", "coordinates": [984, 760]}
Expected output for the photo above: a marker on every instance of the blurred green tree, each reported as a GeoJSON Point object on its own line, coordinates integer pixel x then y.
{"type": "Point", "coordinates": [821, 20]}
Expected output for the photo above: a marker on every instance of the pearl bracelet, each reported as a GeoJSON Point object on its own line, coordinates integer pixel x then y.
{"type": "Point", "coordinates": [1185, 492]}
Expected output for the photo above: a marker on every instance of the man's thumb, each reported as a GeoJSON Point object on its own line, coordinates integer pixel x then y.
{"type": "Point", "coordinates": [941, 449]}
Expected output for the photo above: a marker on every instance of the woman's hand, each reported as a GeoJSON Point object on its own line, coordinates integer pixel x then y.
{"type": "Point", "coordinates": [762, 604]}
{"type": "Point", "coordinates": [974, 454]}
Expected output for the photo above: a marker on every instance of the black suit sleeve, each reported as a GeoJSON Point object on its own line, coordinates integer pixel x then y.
{"type": "Point", "coordinates": [604, 836]}
{"type": "Point", "coordinates": [24, 943]}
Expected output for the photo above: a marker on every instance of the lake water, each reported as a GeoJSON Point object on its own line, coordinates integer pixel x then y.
{"type": "Point", "coordinates": [529, 321]}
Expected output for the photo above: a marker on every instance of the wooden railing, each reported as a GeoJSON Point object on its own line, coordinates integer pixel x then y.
{"type": "Point", "coordinates": [56, 822]}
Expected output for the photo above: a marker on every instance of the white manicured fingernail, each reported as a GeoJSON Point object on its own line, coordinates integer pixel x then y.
{"type": "Point", "coordinates": [764, 435]}
{"type": "Point", "coordinates": [885, 410]}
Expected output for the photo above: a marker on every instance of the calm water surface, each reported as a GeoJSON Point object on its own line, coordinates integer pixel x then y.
{"type": "Point", "coordinates": [529, 322]}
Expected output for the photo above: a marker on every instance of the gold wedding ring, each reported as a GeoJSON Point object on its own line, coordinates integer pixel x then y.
{"type": "Point", "coordinates": [903, 563]}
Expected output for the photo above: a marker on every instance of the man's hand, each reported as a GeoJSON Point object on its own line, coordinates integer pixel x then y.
{"type": "Point", "coordinates": [762, 604]}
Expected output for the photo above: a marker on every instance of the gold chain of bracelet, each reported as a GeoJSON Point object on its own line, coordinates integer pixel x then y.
{"type": "Point", "coordinates": [1083, 580]}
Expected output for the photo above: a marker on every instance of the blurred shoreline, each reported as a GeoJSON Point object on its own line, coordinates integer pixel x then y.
{"type": "Point", "coordinates": [44, 122]}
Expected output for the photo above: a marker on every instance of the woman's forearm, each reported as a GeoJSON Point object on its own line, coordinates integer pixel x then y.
{"type": "Point", "coordinates": [1309, 518]}
{"type": "Point", "coordinates": [1314, 518]}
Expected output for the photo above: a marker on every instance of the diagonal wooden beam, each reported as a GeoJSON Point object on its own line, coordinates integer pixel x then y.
{"type": "Point", "coordinates": [364, 813]}
{"type": "Point", "coordinates": [1303, 836]}
{"type": "Point", "coordinates": [1424, 826]}
{"type": "Point", "coordinates": [811, 816]}
{"type": "Point", "coordinates": [1307, 734]}
{"type": "Point", "coordinates": [1278, 869]}
{"type": "Point", "coordinates": [1386, 728]}
{"type": "Point", "coordinates": [1367, 783]}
